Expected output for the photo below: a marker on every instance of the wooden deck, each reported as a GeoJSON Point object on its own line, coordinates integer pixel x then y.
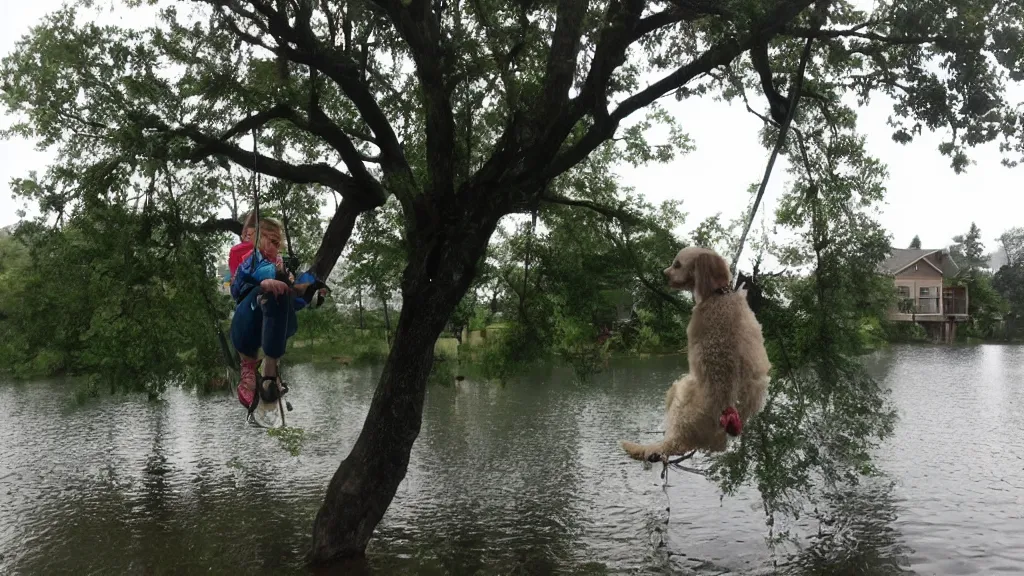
{"type": "Point", "coordinates": [902, 317]}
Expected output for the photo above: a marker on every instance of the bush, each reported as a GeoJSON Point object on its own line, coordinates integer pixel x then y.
{"type": "Point", "coordinates": [903, 332]}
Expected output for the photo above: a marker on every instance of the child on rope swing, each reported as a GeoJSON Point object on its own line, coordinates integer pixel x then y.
{"type": "Point", "coordinates": [266, 302]}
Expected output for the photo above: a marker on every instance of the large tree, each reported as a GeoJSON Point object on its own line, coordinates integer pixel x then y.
{"type": "Point", "coordinates": [466, 113]}
{"type": "Point", "coordinates": [985, 306]}
{"type": "Point", "coordinates": [969, 252]}
{"type": "Point", "coordinates": [1012, 242]}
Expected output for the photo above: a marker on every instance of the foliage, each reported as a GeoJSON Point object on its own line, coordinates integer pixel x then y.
{"type": "Point", "coordinates": [904, 332]}
{"type": "Point", "coordinates": [1009, 283]}
{"type": "Point", "coordinates": [1013, 245]}
{"type": "Point", "coordinates": [985, 306]}
{"type": "Point", "coordinates": [712, 233]}
{"type": "Point", "coordinates": [969, 252]}
{"type": "Point", "coordinates": [825, 413]}
{"type": "Point", "coordinates": [289, 437]}
{"type": "Point", "coordinates": [443, 372]}
{"type": "Point", "coordinates": [915, 244]}
{"type": "Point", "coordinates": [375, 257]}
{"type": "Point", "coordinates": [585, 287]}
{"type": "Point", "coordinates": [112, 296]}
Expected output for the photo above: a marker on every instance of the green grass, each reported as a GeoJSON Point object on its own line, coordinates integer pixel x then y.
{"type": "Point", "coordinates": [358, 349]}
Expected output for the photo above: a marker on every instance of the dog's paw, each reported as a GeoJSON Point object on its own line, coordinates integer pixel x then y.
{"type": "Point", "coordinates": [654, 457]}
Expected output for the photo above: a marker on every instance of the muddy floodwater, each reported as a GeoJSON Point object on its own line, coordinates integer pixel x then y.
{"type": "Point", "coordinates": [525, 478]}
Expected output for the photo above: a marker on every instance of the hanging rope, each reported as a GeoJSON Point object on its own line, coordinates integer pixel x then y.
{"type": "Point", "coordinates": [794, 98]}
{"type": "Point", "coordinates": [292, 262]}
{"type": "Point", "coordinates": [255, 197]}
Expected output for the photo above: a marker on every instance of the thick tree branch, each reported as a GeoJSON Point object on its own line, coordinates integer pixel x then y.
{"type": "Point", "coordinates": [561, 65]}
{"type": "Point", "coordinates": [655, 21]}
{"type": "Point", "coordinates": [255, 121]}
{"type": "Point", "coordinates": [332, 27]}
{"type": "Point", "coordinates": [319, 173]}
{"type": "Point", "coordinates": [545, 130]}
{"type": "Point", "coordinates": [393, 161]}
{"type": "Point", "coordinates": [318, 125]}
{"type": "Point", "coordinates": [623, 27]}
{"type": "Point", "coordinates": [220, 225]}
{"type": "Point", "coordinates": [604, 128]}
{"type": "Point", "coordinates": [338, 232]}
{"type": "Point", "coordinates": [681, 11]}
{"type": "Point", "coordinates": [777, 103]}
{"type": "Point", "coordinates": [356, 133]}
{"type": "Point", "coordinates": [799, 32]}
{"type": "Point", "coordinates": [719, 55]}
{"type": "Point", "coordinates": [620, 30]}
{"type": "Point", "coordinates": [322, 126]}
{"type": "Point", "coordinates": [608, 211]}
{"type": "Point", "coordinates": [300, 45]}
{"type": "Point", "coordinates": [419, 27]}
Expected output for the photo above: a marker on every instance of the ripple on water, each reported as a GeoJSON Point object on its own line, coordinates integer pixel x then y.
{"type": "Point", "coordinates": [526, 478]}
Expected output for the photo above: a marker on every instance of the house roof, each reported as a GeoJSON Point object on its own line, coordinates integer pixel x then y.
{"type": "Point", "coordinates": [901, 258]}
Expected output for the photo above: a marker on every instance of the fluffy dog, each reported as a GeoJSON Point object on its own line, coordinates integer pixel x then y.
{"type": "Point", "coordinates": [729, 366]}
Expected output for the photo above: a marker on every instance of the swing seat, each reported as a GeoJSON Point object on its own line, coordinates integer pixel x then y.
{"type": "Point", "coordinates": [265, 411]}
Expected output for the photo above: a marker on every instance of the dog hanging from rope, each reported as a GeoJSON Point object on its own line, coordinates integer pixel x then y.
{"type": "Point", "coordinates": [728, 364]}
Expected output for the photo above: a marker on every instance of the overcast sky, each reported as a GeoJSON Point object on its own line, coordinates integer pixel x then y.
{"type": "Point", "coordinates": [925, 196]}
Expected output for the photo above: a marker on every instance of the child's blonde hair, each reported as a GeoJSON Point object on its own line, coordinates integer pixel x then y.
{"type": "Point", "coordinates": [266, 225]}
{"type": "Point", "coordinates": [249, 223]}
{"type": "Point", "coordinates": [270, 225]}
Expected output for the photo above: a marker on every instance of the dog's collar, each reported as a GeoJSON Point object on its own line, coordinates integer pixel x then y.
{"type": "Point", "coordinates": [723, 290]}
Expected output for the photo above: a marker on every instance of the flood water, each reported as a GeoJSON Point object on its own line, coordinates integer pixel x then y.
{"type": "Point", "coordinates": [525, 478]}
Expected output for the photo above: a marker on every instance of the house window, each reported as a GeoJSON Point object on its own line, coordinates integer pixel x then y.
{"type": "Point", "coordinates": [925, 292]}
{"type": "Point", "coordinates": [903, 291]}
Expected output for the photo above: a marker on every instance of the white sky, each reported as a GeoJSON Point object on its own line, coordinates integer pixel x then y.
{"type": "Point", "coordinates": [925, 196]}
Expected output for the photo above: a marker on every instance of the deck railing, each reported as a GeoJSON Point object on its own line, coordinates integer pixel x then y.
{"type": "Point", "coordinates": [931, 306]}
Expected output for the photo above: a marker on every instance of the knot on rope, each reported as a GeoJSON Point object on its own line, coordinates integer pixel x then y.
{"type": "Point", "coordinates": [730, 420]}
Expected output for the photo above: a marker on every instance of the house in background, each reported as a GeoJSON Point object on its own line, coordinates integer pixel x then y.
{"type": "Point", "coordinates": [923, 281]}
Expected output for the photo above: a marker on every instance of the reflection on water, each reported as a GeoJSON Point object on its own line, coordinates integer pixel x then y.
{"type": "Point", "coordinates": [857, 536]}
{"type": "Point", "coordinates": [521, 479]}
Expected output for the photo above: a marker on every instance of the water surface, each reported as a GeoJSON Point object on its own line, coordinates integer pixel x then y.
{"type": "Point", "coordinates": [525, 478]}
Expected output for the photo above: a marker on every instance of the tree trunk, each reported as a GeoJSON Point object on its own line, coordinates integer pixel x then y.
{"type": "Point", "coordinates": [366, 481]}
{"type": "Point", "coordinates": [526, 268]}
{"type": "Point", "coordinates": [387, 322]}
{"type": "Point", "coordinates": [339, 230]}
{"type": "Point", "coordinates": [359, 297]}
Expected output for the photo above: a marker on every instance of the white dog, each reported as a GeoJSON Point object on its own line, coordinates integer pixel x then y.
{"type": "Point", "coordinates": [729, 365]}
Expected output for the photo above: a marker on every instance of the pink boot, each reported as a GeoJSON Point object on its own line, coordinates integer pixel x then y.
{"type": "Point", "coordinates": [247, 384]}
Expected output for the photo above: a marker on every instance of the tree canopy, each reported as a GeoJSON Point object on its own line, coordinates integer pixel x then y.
{"type": "Point", "coordinates": [387, 89]}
